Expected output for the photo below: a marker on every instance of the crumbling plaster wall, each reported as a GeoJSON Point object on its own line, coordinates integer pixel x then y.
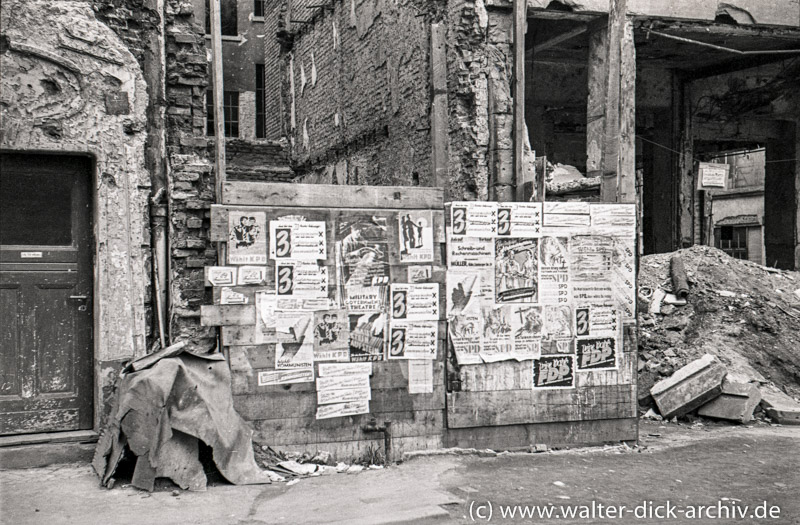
{"type": "Point", "coordinates": [71, 86]}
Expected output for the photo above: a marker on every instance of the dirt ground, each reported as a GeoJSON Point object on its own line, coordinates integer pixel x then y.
{"type": "Point", "coordinates": [715, 465]}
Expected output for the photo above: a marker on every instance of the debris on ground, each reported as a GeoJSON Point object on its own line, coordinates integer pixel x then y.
{"type": "Point", "coordinates": [690, 387]}
{"type": "Point", "coordinates": [736, 402]}
{"type": "Point", "coordinates": [744, 314]}
{"type": "Point", "coordinates": [291, 466]}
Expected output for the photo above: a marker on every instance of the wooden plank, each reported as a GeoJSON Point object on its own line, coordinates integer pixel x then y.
{"type": "Point", "coordinates": [325, 195]}
{"type": "Point", "coordinates": [626, 168]}
{"type": "Point", "coordinates": [243, 336]}
{"type": "Point", "coordinates": [218, 90]}
{"type": "Point", "coordinates": [475, 409]}
{"type": "Point", "coordinates": [228, 314]}
{"type": "Point", "coordinates": [610, 144]}
{"type": "Point", "coordinates": [553, 434]}
{"type": "Point", "coordinates": [519, 129]}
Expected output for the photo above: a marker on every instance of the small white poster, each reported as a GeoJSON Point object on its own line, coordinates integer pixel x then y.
{"type": "Point", "coordinates": [221, 275]}
{"type": "Point", "coordinates": [247, 237]}
{"type": "Point", "coordinates": [342, 409]}
{"type": "Point", "coordinates": [519, 219]}
{"type": "Point", "coordinates": [554, 282]}
{"type": "Point", "coordinates": [420, 376]}
{"type": "Point", "coordinates": [297, 240]}
{"type": "Point", "coordinates": [470, 252]}
{"type": "Point", "coordinates": [231, 296]}
{"type": "Point", "coordinates": [415, 302]}
{"type": "Point", "coordinates": [295, 348]}
{"type": "Point", "coordinates": [345, 369]}
{"type": "Point", "coordinates": [252, 275]}
{"type": "Point", "coordinates": [713, 175]}
{"type": "Point", "coordinates": [346, 395]}
{"type": "Point", "coordinates": [282, 377]}
{"type": "Point", "coordinates": [416, 236]}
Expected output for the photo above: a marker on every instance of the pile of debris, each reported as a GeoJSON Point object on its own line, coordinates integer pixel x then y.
{"type": "Point", "coordinates": [289, 467]}
{"type": "Point", "coordinates": [744, 316]}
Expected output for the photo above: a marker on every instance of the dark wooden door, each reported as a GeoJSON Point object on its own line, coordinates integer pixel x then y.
{"type": "Point", "coordinates": [46, 350]}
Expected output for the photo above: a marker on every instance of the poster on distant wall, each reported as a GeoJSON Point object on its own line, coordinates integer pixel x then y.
{"type": "Point", "coordinates": [247, 237]}
{"type": "Point", "coordinates": [416, 236]}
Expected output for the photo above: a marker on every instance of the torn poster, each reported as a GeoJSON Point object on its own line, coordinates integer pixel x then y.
{"type": "Point", "coordinates": [231, 296]}
{"type": "Point", "coordinates": [265, 309]}
{"type": "Point", "coordinates": [470, 252]}
{"type": "Point", "coordinates": [295, 348]}
{"type": "Point", "coordinates": [523, 219]}
{"type": "Point", "coordinates": [344, 369]}
{"type": "Point", "coordinates": [331, 336]}
{"type": "Point", "coordinates": [413, 339]}
{"type": "Point", "coordinates": [597, 353]}
{"type": "Point", "coordinates": [554, 372]}
{"type": "Point", "coordinates": [415, 302]}
{"type": "Point", "coordinates": [252, 275]}
{"type": "Point", "coordinates": [497, 340]}
{"type": "Point", "coordinates": [297, 240]}
{"type": "Point", "coordinates": [516, 270]}
{"type": "Point", "coordinates": [465, 335]}
{"type": "Point", "coordinates": [420, 376]}
{"type": "Point", "coordinates": [247, 237]}
{"type": "Point", "coordinates": [463, 292]}
{"type": "Point", "coordinates": [221, 275]}
{"type": "Point", "coordinates": [342, 409]}
{"type": "Point", "coordinates": [301, 279]}
{"type": "Point", "coordinates": [367, 333]}
{"type": "Point", "coordinates": [526, 325]}
{"type": "Point", "coordinates": [554, 271]}
{"type": "Point", "coordinates": [473, 218]}
{"type": "Point", "coordinates": [419, 274]}
{"type": "Point", "coordinates": [416, 236]}
{"type": "Point", "coordinates": [590, 258]}
{"type": "Point", "coordinates": [282, 377]}
{"type": "Point", "coordinates": [557, 333]}
{"type": "Point", "coordinates": [362, 245]}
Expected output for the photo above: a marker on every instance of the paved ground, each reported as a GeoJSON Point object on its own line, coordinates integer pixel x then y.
{"type": "Point", "coordinates": [722, 467]}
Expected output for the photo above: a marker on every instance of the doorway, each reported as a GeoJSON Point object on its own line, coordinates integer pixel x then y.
{"type": "Point", "coordinates": [46, 288]}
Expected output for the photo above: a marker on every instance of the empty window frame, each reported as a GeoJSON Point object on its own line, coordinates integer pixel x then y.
{"type": "Point", "coordinates": [228, 18]}
{"type": "Point", "coordinates": [230, 107]}
{"type": "Point", "coordinates": [732, 240]}
{"type": "Point", "coordinates": [261, 112]}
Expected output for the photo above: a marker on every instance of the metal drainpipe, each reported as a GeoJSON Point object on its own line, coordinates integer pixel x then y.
{"type": "Point", "coordinates": [154, 71]}
{"type": "Point", "coordinates": [386, 428]}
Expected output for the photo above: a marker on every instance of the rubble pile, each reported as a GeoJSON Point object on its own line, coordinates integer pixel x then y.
{"type": "Point", "coordinates": [745, 315]}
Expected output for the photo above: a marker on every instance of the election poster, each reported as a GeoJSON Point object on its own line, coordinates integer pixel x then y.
{"type": "Point", "coordinates": [415, 236]}
{"type": "Point", "coordinates": [282, 377]}
{"type": "Point", "coordinates": [331, 336]}
{"type": "Point", "coordinates": [419, 273]}
{"type": "Point", "coordinates": [516, 270]}
{"type": "Point", "coordinates": [519, 219]}
{"type": "Point", "coordinates": [465, 335]}
{"type": "Point", "coordinates": [463, 292]}
{"type": "Point", "coordinates": [362, 245]}
{"type": "Point", "coordinates": [247, 237]}
{"type": "Point", "coordinates": [470, 252]}
{"type": "Point", "coordinates": [497, 339]}
{"type": "Point", "coordinates": [597, 320]}
{"type": "Point", "coordinates": [415, 302]}
{"type": "Point", "coordinates": [557, 332]}
{"type": "Point", "coordinates": [554, 271]}
{"type": "Point", "coordinates": [550, 372]}
{"type": "Point", "coordinates": [420, 376]}
{"type": "Point", "coordinates": [295, 347]}
{"type": "Point", "coordinates": [249, 275]}
{"type": "Point", "coordinates": [221, 275]}
{"type": "Point", "coordinates": [473, 219]}
{"type": "Point", "coordinates": [297, 240]}
{"type": "Point", "coordinates": [597, 353]}
{"type": "Point", "coordinates": [342, 409]}
{"type": "Point", "coordinates": [298, 279]}
{"type": "Point", "coordinates": [367, 335]}
{"type": "Point", "coordinates": [526, 326]}
{"type": "Point", "coordinates": [413, 339]}
{"type": "Point", "coordinates": [230, 296]}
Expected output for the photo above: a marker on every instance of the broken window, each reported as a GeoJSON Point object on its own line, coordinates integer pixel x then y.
{"type": "Point", "coordinates": [228, 18]}
{"type": "Point", "coordinates": [230, 107]}
{"type": "Point", "coordinates": [732, 240]}
{"type": "Point", "coordinates": [261, 116]}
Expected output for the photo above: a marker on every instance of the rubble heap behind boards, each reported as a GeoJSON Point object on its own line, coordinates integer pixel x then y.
{"type": "Point", "coordinates": [160, 414]}
{"type": "Point", "coordinates": [744, 313]}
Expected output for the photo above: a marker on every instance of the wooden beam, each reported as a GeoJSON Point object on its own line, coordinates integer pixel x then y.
{"type": "Point", "coordinates": [238, 193]}
{"type": "Point", "coordinates": [558, 39]}
{"type": "Point", "coordinates": [520, 27]}
{"type": "Point", "coordinates": [217, 87]}
{"type": "Point", "coordinates": [626, 161]}
{"type": "Point", "coordinates": [596, 102]}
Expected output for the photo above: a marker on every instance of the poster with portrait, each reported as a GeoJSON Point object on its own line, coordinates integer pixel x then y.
{"type": "Point", "coordinates": [331, 336]}
{"type": "Point", "coordinates": [247, 237]}
{"type": "Point", "coordinates": [416, 236]}
{"type": "Point", "coordinates": [297, 240]}
{"type": "Point", "coordinates": [362, 244]}
{"type": "Point", "coordinates": [367, 336]}
{"type": "Point", "coordinates": [516, 270]}
{"type": "Point", "coordinates": [557, 334]}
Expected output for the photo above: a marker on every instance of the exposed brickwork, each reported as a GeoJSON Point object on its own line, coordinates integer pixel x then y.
{"type": "Point", "coordinates": [130, 20]}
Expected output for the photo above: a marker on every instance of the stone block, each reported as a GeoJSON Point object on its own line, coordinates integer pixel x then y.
{"type": "Point", "coordinates": [690, 387]}
{"type": "Point", "coordinates": [780, 407]}
{"type": "Point", "coordinates": [736, 403]}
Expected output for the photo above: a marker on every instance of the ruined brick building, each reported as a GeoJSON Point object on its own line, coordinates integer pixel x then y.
{"type": "Point", "coordinates": [106, 101]}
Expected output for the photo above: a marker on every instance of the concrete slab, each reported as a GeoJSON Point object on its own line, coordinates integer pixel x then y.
{"type": "Point", "coordinates": [736, 403]}
{"type": "Point", "coordinates": [690, 387]}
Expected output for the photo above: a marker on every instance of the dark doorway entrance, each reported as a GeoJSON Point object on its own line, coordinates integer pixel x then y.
{"type": "Point", "coordinates": [46, 289]}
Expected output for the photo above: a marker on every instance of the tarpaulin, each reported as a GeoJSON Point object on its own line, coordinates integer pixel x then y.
{"type": "Point", "coordinates": [160, 414]}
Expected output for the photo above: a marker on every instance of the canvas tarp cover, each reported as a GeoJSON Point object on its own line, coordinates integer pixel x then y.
{"type": "Point", "coordinates": [160, 414]}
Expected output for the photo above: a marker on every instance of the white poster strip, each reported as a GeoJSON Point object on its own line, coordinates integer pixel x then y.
{"type": "Point", "coordinates": [342, 409]}
{"type": "Point", "coordinates": [221, 275]}
{"type": "Point", "coordinates": [348, 369]}
{"type": "Point", "coordinates": [252, 275]}
{"type": "Point", "coordinates": [348, 395]}
{"type": "Point", "coordinates": [231, 296]}
{"type": "Point", "coordinates": [282, 377]}
{"type": "Point", "coordinates": [343, 382]}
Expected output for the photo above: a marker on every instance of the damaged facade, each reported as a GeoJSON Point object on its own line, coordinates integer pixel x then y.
{"type": "Point", "coordinates": [359, 92]}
